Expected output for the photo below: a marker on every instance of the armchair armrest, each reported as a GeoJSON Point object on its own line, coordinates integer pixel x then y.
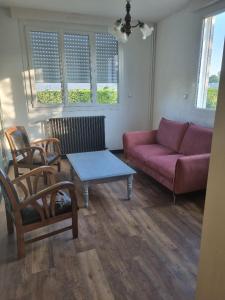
{"type": "Point", "coordinates": [45, 143]}
{"type": "Point", "coordinates": [35, 172]}
{"type": "Point", "coordinates": [29, 186]}
{"type": "Point", "coordinates": [44, 201]}
{"type": "Point", "coordinates": [49, 190]}
{"type": "Point", "coordinates": [29, 153]}
{"type": "Point", "coordinates": [133, 138]}
{"type": "Point", "coordinates": [54, 140]}
{"type": "Point", "coordinates": [191, 173]}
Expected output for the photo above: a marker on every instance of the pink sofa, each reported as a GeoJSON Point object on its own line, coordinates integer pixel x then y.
{"type": "Point", "coordinates": [176, 155]}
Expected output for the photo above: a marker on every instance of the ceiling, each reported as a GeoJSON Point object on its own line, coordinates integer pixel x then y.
{"type": "Point", "coordinates": [149, 10]}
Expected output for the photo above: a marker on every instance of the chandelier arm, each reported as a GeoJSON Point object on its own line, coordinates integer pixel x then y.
{"type": "Point", "coordinates": [138, 24]}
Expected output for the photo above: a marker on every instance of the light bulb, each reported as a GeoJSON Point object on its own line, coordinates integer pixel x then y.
{"type": "Point", "coordinates": [118, 25]}
{"type": "Point", "coordinates": [146, 31]}
{"type": "Point", "coordinates": [123, 37]}
{"type": "Point", "coordinates": [120, 36]}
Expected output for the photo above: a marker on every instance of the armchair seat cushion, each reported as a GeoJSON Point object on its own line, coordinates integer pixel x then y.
{"type": "Point", "coordinates": [63, 205]}
{"type": "Point", "coordinates": [143, 152]}
{"type": "Point", "coordinates": [164, 165]}
{"type": "Point", "coordinates": [51, 157]}
{"type": "Point", "coordinates": [30, 215]}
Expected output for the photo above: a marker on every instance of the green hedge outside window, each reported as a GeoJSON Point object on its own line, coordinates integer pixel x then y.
{"type": "Point", "coordinates": [104, 96]}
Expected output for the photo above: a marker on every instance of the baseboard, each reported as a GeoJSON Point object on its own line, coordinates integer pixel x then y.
{"type": "Point", "coordinates": [10, 162]}
{"type": "Point", "coordinates": [119, 151]}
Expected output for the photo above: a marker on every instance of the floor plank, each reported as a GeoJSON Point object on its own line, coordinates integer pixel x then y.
{"type": "Point", "coordinates": [93, 277]}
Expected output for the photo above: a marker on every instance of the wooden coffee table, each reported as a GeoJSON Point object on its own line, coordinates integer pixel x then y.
{"type": "Point", "coordinates": [99, 167]}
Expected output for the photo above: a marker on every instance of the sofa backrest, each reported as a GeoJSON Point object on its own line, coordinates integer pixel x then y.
{"type": "Point", "coordinates": [197, 140]}
{"type": "Point", "coordinates": [171, 133]}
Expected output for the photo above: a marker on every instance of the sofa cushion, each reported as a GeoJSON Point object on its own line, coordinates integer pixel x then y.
{"type": "Point", "coordinates": [164, 165]}
{"type": "Point", "coordinates": [197, 140]}
{"type": "Point", "coordinates": [171, 133]}
{"type": "Point", "coordinates": [144, 152]}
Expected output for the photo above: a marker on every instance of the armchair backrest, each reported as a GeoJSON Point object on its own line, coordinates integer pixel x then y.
{"type": "Point", "coordinates": [17, 138]}
{"type": "Point", "coordinates": [9, 193]}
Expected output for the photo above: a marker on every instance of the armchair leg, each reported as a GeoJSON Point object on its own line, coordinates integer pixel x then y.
{"type": "Point", "coordinates": [174, 198]}
{"type": "Point", "coordinates": [10, 225]}
{"type": "Point", "coordinates": [74, 220]}
{"type": "Point", "coordinates": [74, 227]}
{"type": "Point", "coordinates": [16, 171]}
{"type": "Point", "coordinates": [20, 243]}
{"type": "Point", "coordinates": [75, 232]}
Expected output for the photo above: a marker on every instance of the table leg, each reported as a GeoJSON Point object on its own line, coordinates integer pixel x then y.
{"type": "Point", "coordinates": [72, 174]}
{"type": "Point", "coordinates": [129, 186]}
{"type": "Point", "coordinates": [85, 194]}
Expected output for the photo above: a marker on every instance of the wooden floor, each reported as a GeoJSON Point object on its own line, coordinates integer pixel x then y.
{"type": "Point", "coordinates": [146, 248]}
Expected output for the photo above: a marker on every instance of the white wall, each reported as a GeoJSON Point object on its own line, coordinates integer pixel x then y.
{"type": "Point", "coordinates": [133, 112]}
{"type": "Point", "coordinates": [177, 58]}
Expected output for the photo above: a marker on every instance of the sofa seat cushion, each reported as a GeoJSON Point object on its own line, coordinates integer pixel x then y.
{"type": "Point", "coordinates": [197, 140]}
{"type": "Point", "coordinates": [171, 133]}
{"type": "Point", "coordinates": [164, 165]}
{"type": "Point", "coordinates": [144, 152]}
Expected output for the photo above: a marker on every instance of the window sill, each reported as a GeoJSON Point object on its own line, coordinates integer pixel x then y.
{"type": "Point", "coordinates": [75, 108]}
{"type": "Point", "coordinates": [206, 109]}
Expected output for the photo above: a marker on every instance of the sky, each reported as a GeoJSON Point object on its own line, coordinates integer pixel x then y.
{"type": "Point", "coordinates": [218, 43]}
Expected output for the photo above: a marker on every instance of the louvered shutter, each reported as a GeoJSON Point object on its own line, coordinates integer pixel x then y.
{"type": "Point", "coordinates": [77, 67]}
{"type": "Point", "coordinates": [46, 66]}
{"type": "Point", "coordinates": [107, 68]}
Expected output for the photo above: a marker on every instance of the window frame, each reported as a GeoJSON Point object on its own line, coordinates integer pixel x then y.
{"type": "Point", "coordinates": [29, 83]}
{"type": "Point", "coordinates": [200, 102]}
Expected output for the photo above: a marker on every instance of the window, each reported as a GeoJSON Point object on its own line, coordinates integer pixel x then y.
{"type": "Point", "coordinates": [68, 68]}
{"type": "Point", "coordinates": [211, 60]}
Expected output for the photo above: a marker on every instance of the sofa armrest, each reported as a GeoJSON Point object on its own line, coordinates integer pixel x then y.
{"type": "Point", "coordinates": [133, 138]}
{"type": "Point", "coordinates": [191, 173]}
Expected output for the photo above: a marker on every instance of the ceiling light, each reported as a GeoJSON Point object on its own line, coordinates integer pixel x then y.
{"type": "Point", "coordinates": [122, 29]}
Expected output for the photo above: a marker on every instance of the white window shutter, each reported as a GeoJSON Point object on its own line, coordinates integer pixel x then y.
{"type": "Point", "coordinates": [77, 58]}
{"type": "Point", "coordinates": [106, 58]}
{"type": "Point", "coordinates": [45, 56]}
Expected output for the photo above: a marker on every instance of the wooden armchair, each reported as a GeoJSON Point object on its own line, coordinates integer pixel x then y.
{"type": "Point", "coordinates": [30, 155]}
{"type": "Point", "coordinates": [29, 208]}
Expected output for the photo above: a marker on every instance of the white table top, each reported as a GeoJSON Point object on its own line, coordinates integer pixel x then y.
{"type": "Point", "coordinates": [98, 165]}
